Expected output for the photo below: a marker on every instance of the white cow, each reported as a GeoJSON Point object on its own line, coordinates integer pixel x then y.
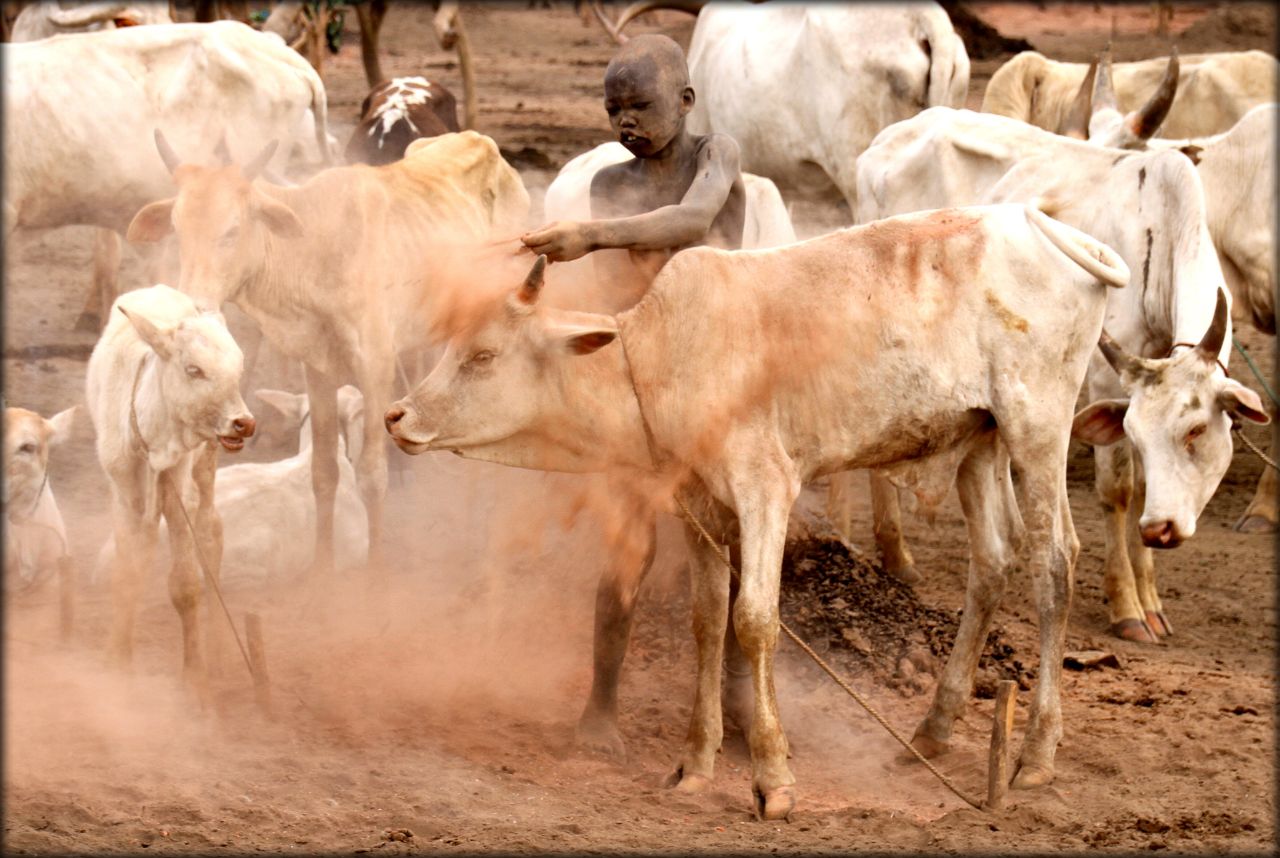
{"type": "Point", "coordinates": [1214, 90]}
{"type": "Point", "coordinates": [804, 89]}
{"type": "Point", "coordinates": [741, 375]}
{"type": "Point", "coordinates": [1151, 207]}
{"type": "Point", "coordinates": [50, 18]}
{"type": "Point", "coordinates": [267, 509]}
{"type": "Point", "coordinates": [80, 110]}
{"type": "Point", "coordinates": [35, 538]}
{"type": "Point", "coordinates": [162, 388]}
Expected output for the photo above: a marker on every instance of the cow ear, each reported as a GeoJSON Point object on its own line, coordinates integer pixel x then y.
{"type": "Point", "coordinates": [291, 405]}
{"type": "Point", "coordinates": [1239, 401]}
{"type": "Point", "coordinates": [278, 217]}
{"type": "Point", "coordinates": [1192, 151]}
{"type": "Point", "coordinates": [582, 339]}
{"type": "Point", "coordinates": [1100, 423]}
{"type": "Point", "coordinates": [60, 425]}
{"type": "Point", "coordinates": [161, 340]}
{"type": "Point", "coordinates": [152, 223]}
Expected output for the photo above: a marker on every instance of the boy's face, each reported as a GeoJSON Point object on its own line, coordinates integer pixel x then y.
{"type": "Point", "coordinates": [645, 110]}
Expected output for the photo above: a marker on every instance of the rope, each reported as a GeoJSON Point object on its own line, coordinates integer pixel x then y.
{"type": "Point", "coordinates": [702, 531]}
{"type": "Point", "coordinates": [1261, 455]}
{"type": "Point", "coordinates": [1256, 374]}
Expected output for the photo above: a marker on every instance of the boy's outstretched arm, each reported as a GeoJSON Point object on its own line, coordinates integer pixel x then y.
{"type": "Point", "coordinates": [667, 227]}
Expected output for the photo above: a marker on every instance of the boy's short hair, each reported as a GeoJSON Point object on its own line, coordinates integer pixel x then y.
{"type": "Point", "coordinates": [661, 51]}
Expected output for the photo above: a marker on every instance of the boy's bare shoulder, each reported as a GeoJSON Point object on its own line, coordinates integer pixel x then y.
{"type": "Point", "coordinates": [719, 146]}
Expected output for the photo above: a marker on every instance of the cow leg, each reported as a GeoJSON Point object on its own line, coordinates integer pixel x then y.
{"type": "Point", "coordinates": [1042, 467]}
{"type": "Point", "coordinates": [709, 587]}
{"type": "Point", "coordinates": [106, 277]}
{"type": "Point", "coordinates": [1144, 568]}
{"type": "Point", "coordinates": [208, 525]}
{"type": "Point", "coordinates": [1262, 516]}
{"type": "Point", "coordinates": [739, 699]}
{"type": "Point", "coordinates": [134, 558]}
{"type": "Point", "coordinates": [615, 609]}
{"type": "Point", "coordinates": [1114, 481]}
{"type": "Point", "coordinates": [66, 597]}
{"type": "Point", "coordinates": [370, 15]}
{"type": "Point", "coordinates": [376, 383]}
{"type": "Point", "coordinates": [995, 535]}
{"type": "Point", "coordinates": [762, 506]}
{"type": "Point", "coordinates": [323, 395]}
{"type": "Point", "coordinates": [184, 580]}
{"type": "Point", "coordinates": [886, 517]}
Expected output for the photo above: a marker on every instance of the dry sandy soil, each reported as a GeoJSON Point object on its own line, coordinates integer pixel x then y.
{"type": "Point", "coordinates": [437, 713]}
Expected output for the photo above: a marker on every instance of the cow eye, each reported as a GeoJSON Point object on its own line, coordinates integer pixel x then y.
{"type": "Point", "coordinates": [1194, 433]}
{"type": "Point", "coordinates": [27, 448]}
{"type": "Point", "coordinates": [480, 359]}
{"type": "Point", "coordinates": [194, 371]}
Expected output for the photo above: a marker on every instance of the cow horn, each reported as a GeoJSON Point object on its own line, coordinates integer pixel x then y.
{"type": "Point", "coordinates": [1076, 122]}
{"type": "Point", "coordinates": [635, 10]}
{"type": "Point", "coordinates": [170, 158]}
{"type": "Point", "coordinates": [532, 286]}
{"type": "Point", "coordinates": [1147, 119]}
{"type": "Point", "coordinates": [84, 15]}
{"type": "Point", "coordinates": [1213, 338]}
{"type": "Point", "coordinates": [221, 150]}
{"type": "Point", "coordinates": [1104, 94]}
{"type": "Point", "coordinates": [1120, 360]}
{"type": "Point", "coordinates": [255, 166]}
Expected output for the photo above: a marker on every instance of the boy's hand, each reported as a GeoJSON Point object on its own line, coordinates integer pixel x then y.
{"type": "Point", "coordinates": [561, 241]}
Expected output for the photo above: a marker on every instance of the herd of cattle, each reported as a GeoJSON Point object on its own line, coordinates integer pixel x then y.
{"type": "Point", "coordinates": [1001, 261]}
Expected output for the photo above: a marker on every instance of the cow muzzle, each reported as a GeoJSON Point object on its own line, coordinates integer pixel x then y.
{"type": "Point", "coordinates": [1160, 534]}
{"type": "Point", "coordinates": [393, 421]}
{"type": "Point", "coordinates": [241, 428]}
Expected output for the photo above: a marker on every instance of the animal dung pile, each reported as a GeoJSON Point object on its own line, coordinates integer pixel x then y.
{"type": "Point", "coordinates": [864, 621]}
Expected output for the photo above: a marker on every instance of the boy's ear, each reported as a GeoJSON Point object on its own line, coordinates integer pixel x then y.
{"type": "Point", "coordinates": [687, 99]}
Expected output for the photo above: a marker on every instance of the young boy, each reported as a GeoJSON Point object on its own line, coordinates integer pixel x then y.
{"type": "Point", "coordinates": [679, 191]}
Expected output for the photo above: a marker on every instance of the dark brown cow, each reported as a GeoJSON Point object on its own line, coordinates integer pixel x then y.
{"type": "Point", "coordinates": [397, 112]}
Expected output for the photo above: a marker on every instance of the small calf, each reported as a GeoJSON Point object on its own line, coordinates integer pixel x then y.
{"type": "Point", "coordinates": [163, 388]}
{"type": "Point", "coordinates": [395, 113]}
{"type": "Point", "coordinates": [35, 538]}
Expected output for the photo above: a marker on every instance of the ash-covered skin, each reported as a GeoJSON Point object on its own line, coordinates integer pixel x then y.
{"type": "Point", "coordinates": [680, 190]}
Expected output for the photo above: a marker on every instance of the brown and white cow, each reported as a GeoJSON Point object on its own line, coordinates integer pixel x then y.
{"type": "Point", "coordinates": [395, 113]}
{"type": "Point", "coordinates": [163, 390]}
{"type": "Point", "coordinates": [35, 537]}
{"type": "Point", "coordinates": [340, 273]}
{"type": "Point", "coordinates": [742, 375]}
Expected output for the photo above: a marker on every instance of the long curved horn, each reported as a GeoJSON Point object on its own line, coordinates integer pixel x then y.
{"type": "Point", "coordinates": [257, 164]}
{"type": "Point", "coordinates": [84, 15]}
{"type": "Point", "coordinates": [170, 158]}
{"type": "Point", "coordinates": [1148, 118]}
{"type": "Point", "coordinates": [1076, 122]}
{"type": "Point", "coordinates": [614, 28]}
{"type": "Point", "coordinates": [1120, 360]}
{"type": "Point", "coordinates": [1104, 94]}
{"type": "Point", "coordinates": [532, 285]}
{"type": "Point", "coordinates": [1213, 338]}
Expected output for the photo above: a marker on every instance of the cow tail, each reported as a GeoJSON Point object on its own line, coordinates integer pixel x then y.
{"type": "Point", "coordinates": [320, 113]}
{"type": "Point", "coordinates": [948, 61]}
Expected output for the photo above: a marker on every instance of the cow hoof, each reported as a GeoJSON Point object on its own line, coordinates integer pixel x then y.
{"type": "Point", "coordinates": [599, 736]}
{"type": "Point", "coordinates": [89, 323]}
{"type": "Point", "coordinates": [906, 574]}
{"type": "Point", "coordinates": [1159, 623]}
{"type": "Point", "coordinates": [682, 782]}
{"type": "Point", "coordinates": [1137, 631]}
{"type": "Point", "coordinates": [1029, 777]}
{"type": "Point", "coordinates": [1253, 523]}
{"type": "Point", "coordinates": [928, 747]}
{"type": "Point", "coordinates": [776, 804]}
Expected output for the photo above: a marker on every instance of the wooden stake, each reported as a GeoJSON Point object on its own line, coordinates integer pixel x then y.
{"type": "Point", "coordinates": [998, 759]}
{"type": "Point", "coordinates": [258, 660]}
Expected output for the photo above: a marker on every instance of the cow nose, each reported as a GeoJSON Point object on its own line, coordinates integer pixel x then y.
{"type": "Point", "coordinates": [1160, 534]}
{"type": "Point", "coordinates": [244, 426]}
{"type": "Point", "coordinates": [393, 416]}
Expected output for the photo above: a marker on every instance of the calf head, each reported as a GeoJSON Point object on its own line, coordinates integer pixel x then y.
{"type": "Point", "coordinates": [1178, 417]}
{"type": "Point", "coordinates": [199, 373]}
{"type": "Point", "coordinates": [221, 220]}
{"type": "Point", "coordinates": [497, 386]}
{"type": "Point", "coordinates": [27, 440]}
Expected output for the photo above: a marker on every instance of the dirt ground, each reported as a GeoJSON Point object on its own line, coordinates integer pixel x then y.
{"type": "Point", "coordinates": [436, 713]}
